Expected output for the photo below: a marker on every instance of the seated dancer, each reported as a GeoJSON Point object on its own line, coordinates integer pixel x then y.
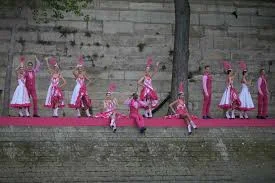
{"type": "Point", "coordinates": [181, 110]}
{"type": "Point", "coordinates": [230, 99]}
{"type": "Point", "coordinates": [148, 93]}
{"type": "Point", "coordinates": [110, 108]}
{"type": "Point", "coordinates": [55, 96]}
{"type": "Point", "coordinates": [134, 104]}
{"type": "Point", "coordinates": [20, 97]}
{"type": "Point", "coordinates": [30, 75]}
{"type": "Point", "coordinates": [80, 98]}
{"type": "Point", "coordinates": [245, 97]}
{"type": "Point", "coordinates": [263, 93]}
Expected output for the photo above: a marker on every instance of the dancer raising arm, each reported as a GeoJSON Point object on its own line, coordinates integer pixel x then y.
{"type": "Point", "coordinates": [55, 97]}
{"type": "Point", "coordinates": [20, 98]}
{"type": "Point", "coordinates": [148, 94]}
{"type": "Point", "coordinates": [80, 98]}
{"type": "Point", "coordinates": [30, 76]}
{"type": "Point", "coordinates": [181, 110]}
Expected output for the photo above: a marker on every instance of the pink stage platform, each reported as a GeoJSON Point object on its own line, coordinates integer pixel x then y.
{"type": "Point", "coordinates": [154, 122]}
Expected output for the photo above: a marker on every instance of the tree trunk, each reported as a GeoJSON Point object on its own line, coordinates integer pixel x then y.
{"type": "Point", "coordinates": [181, 48]}
{"type": "Point", "coordinates": [9, 70]}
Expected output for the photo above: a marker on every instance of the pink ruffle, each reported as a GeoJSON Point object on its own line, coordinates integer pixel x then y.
{"type": "Point", "coordinates": [106, 115]}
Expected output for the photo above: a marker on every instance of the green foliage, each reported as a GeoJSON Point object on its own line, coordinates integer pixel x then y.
{"type": "Point", "coordinates": [46, 10]}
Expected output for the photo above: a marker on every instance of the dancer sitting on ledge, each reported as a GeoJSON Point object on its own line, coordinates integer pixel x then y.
{"type": "Point", "coordinates": [80, 98]}
{"type": "Point", "coordinates": [55, 96]}
{"type": "Point", "coordinates": [110, 109]}
{"type": "Point", "coordinates": [20, 97]}
{"type": "Point", "coordinates": [181, 111]}
{"type": "Point", "coordinates": [134, 104]}
{"type": "Point", "coordinates": [148, 94]}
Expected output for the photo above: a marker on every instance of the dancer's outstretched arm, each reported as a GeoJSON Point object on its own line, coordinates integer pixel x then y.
{"type": "Point", "coordinates": [37, 64]}
{"type": "Point", "coordinates": [140, 81]}
{"type": "Point", "coordinates": [50, 71]}
{"type": "Point", "coordinates": [64, 81]}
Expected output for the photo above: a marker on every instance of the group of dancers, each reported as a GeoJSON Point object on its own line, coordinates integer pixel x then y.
{"type": "Point", "coordinates": [148, 99]}
{"type": "Point", "coordinates": [231, 101]}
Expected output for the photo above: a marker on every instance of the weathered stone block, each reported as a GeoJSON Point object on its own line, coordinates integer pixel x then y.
{"type": "Point", "coordinates": [40, 49]}
{"type": "Point", "coordinates": [262, 21]}
{"type": "Point", "coordinates": [5, 35]}
{"type": "Point", "coordinates": [268, 12]}
{"type": "Point", "coordinates": [55, 37]}
{"type": "Point", "coordinates": [113, 27]}
{"type": "Point", "coordinates": [95, 26]}
{"type": "Point", "coordinates": [242, 30]}
{"type": "Point", "coordinates": [254, 44]}
{"type": "Point", "coordinates": [27, 36]}
{"type": "Point", "coordinates": [246, 11]}
{"type": "Point", "coordinates": [114, 4]}
{"type": "Point", "coordinates": [219, 7]}
{"type": "Point", "coordinates": [216, 54]}
{"type": "Point", "coordinates": [79, 25]}
{"type": "Point", "coordinates": [135, 16]}
{"type": "Point", "coordinates": [240, 21]}
{"type": "Point", "coordinates": [143, 28]}
{"type": "Point", "coordinates": [226, 43]}
{"type": "Point", "coordinates": [163, 17]}
{"type": "Point", "coordinates": [212, 19]}
{"type": "Point", "coordinates": [9, 22]}
{"type": "Point", "coordinates": [107, 15]}
{"type": "Point", "coordinates": [145, 6]}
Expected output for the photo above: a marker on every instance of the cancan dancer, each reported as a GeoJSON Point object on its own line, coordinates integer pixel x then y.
{"type": "Point", "coordinates": [180, 110]}
{"type": "Point", "coordinates": [80, 98]}
{"type": "Point", "coordinates": [148, 93]}
{"type": "Point", "coordinates": [55, 97]}
{"type": "Point", "coordinates": [110, 105]}
{"type": "Point", "coordinates": [20, 98]}
{"type": "Point", "coordinates": [245, 96]}
{"type": "Point", "coordinates": [230, 99]}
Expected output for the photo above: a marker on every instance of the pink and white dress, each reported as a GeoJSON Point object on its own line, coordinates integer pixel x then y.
{"type": "Point", "coordinates": [230, 98]}
{"type": "Point", "coordinates": [181, 110]}
{"type": "Point", "coordinates": [111, 107]}
{"type": "Point", "coordinates": [20, 96]}
{"type": "Point", "coordinates": [148, 92]}
{"type": "Point", "coordinates": [80, 97]}
{"type": "Point", "coordinates": [54, 96]}
{"type": "Point", "coordinates": [245, 98]}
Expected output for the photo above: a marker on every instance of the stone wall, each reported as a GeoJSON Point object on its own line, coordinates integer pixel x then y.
{"type": "Point", "coordinates": [121, 34]}
{"type": "Point", "coordinates": [36, 154]}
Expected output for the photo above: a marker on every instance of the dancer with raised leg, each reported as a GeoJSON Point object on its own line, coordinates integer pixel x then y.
{"type": "Point", "coordinates": [55, 97]}
{"type": "Point", "coordinates": [80, 98]}
{"type": "Point", "coordinates": [230, 99]}
{"type": "Point", "coordinates": [148, 93]}
{"type": "Point", "coordinates": [110, 105]}
{"type": "Point", "coordinates": [30, 76]}
{"type": "Point", "coordinates": [20, 98]}
{"type": "Point", "coordinates": [245, 96]}
{"type": "Point", "coordinates": [180, 110]}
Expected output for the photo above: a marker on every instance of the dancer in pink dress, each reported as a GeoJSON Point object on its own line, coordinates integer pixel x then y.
{"type": "Point", "coordinates": [55, 97]}
{"type": "Point", "coordinates": [245, 96]}
{"type": "Point", "coordinates": [230, 99]}
{"type": "Point", "coordinates": [180, 110]}
{"type": "Point", "coordinates": [20, 98]}
{"type": "Point", "coordinates": [80, 98]}
{"type": "Point", "coordinates": [134, 104]}
{"type": "Point", "coordinates": [263, 93]}
{"type": "Point", "coordinates": [148, 93]}
{"type": "Point", "coordinates": [110, 112]}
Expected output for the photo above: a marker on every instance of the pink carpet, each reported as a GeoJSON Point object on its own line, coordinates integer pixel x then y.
{"type": "Point", "coordinates": [154, 122]}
